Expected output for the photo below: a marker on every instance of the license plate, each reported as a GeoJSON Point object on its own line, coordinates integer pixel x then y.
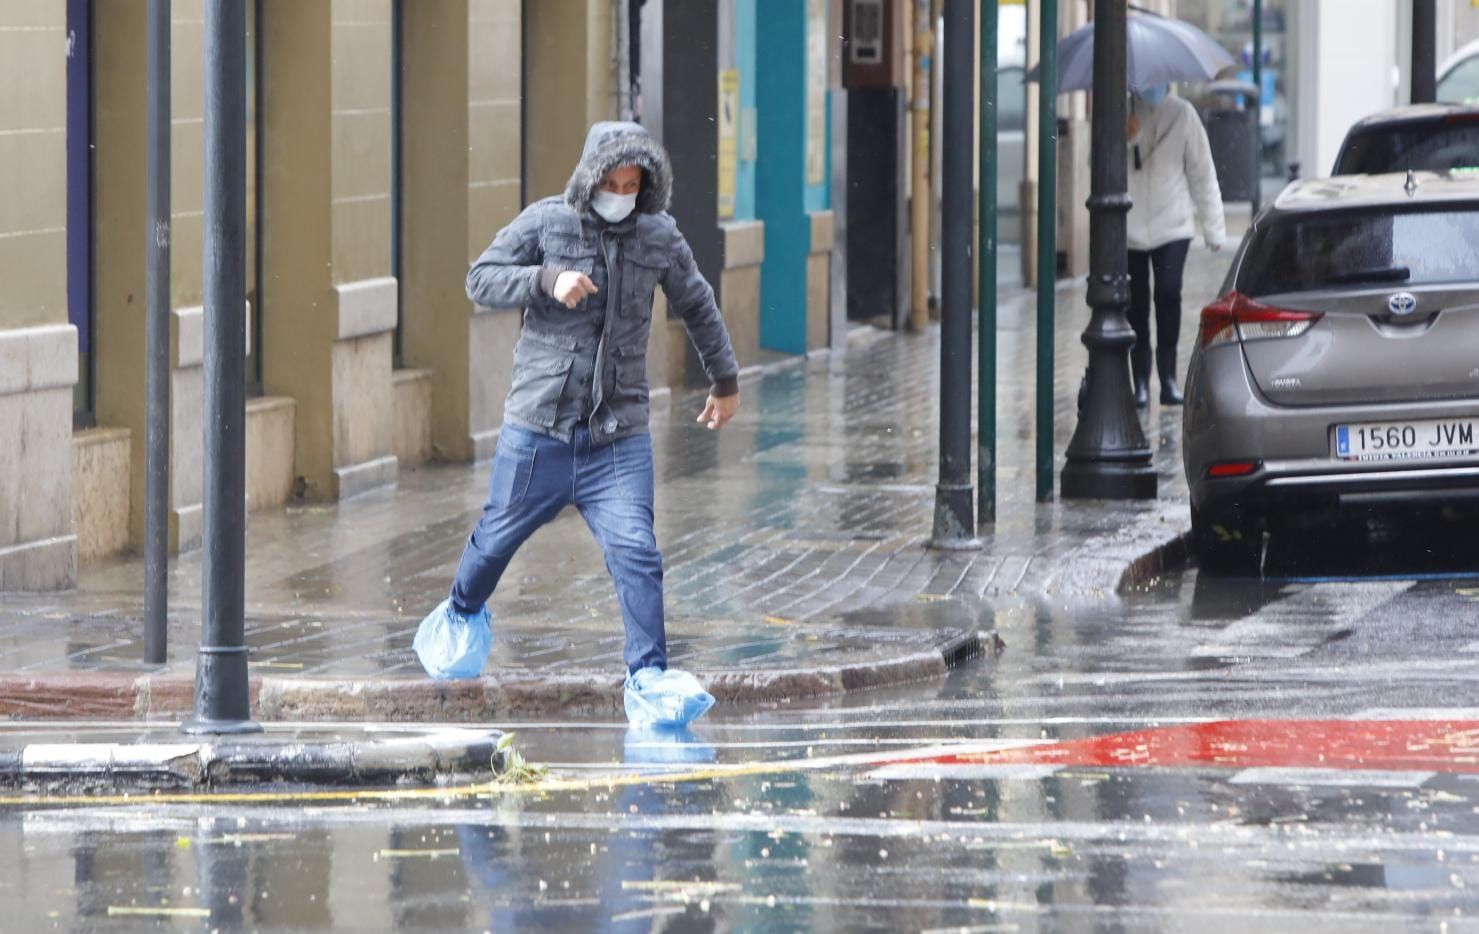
{"type": "Point", "coordinates": [1418, 440]}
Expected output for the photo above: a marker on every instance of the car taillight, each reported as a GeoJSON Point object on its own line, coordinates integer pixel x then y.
{"type": "Point", "coordinates": [1232, 469]}
{"type": "Point", "coordinates": [1235, 316]}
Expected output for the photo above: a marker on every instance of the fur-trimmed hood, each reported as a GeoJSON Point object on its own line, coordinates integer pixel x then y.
{"type": "Point", "coordinates": [611, 145]}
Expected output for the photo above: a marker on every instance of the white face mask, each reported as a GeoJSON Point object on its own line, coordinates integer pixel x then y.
{"type": "Point", "coordinates": [613, 207]}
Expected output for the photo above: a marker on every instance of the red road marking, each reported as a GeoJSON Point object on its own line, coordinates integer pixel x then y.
{"type": "Point", "coordinates": [1383, 745]}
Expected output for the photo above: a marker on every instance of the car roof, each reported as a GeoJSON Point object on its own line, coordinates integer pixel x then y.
{"type": "Point", "coordinates": [1391, 190]}
{"type": "Point", "coordinates": [1467, 51]}
{"type": "Point", "coordinates": [1413, 113]}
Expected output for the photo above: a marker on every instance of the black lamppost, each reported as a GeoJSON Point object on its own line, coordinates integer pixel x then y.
{"type": "Point", "coordinates": [955, 522]}
{"type": "Point", "coordinates": [1424, 52]}
{"type": "Point", "coordinates": [222, 701]}
{"type": "Point", "coordinates": [1109, 457]}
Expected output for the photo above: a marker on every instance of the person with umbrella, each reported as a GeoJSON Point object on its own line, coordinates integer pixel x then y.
{"type": "Point", "coordinates": [1173, 191]}
{"type": "Point", "coordinates": [1172, 182]}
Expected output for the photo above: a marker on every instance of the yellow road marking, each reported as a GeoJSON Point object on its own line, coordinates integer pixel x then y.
{"type": "Point", "coordinates": [451, 793]}
{"type": "Point", "coordinates": [116, 910]}
{"type": "Point", "coordinates": [432, 854]}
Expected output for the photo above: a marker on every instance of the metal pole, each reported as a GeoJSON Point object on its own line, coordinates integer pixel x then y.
{"type": "Point", "coordinates": [955, 517]}
{"type": "Point", "coordinates": [986, 276]}
{"type": "Point", "coordinates": [156, 339]}
{"type": "Point", "coordinates": [919, 198]}
{"type": "Point", "coordinates": [1424, 52]}
{"type": "Point", "coordinates": [1257, 106]}
{"type": "Point", "coordinates": [222, 704]}
{"type": "Point", "coordinates": [1109, 457]}
{"type": "Point", "coordinates": [1047, 239]}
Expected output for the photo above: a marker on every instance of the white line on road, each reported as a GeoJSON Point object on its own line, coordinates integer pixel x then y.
{"type": "Point", "coordinates": [1337, 778]}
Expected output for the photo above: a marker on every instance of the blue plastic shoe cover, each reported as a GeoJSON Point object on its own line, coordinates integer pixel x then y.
{"type": "Point", "coordinates": [451, 645]}
{"type": "Point", "coordinates": [655, 697]}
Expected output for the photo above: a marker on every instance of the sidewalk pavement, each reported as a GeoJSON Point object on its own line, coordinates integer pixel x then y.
{"type": "Point", "coordinates": [794, 540]}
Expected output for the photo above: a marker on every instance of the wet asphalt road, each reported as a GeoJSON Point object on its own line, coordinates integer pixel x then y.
{"type": "Point", "coordinates": [842, 816]}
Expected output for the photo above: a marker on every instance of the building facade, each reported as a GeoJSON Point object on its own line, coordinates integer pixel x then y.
{"type": "Point", "coordinates": [388, 141]}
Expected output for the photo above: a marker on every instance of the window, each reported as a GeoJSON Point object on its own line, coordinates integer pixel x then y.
{"type": "Point", "coordinates": [1461, 84]}
{"type": "Point", "coordinates": [1011, 99]}
{"type": "Point", "coordinates": [1425, 147]}
{"type": "Point", "coordinates": [1421, 247]}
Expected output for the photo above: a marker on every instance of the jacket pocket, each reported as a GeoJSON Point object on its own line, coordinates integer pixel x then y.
{"type": "Point", "coordinates": [541, 369]}
{"type": "Point", "coordinates": [630, 362]}
{"type": "Point", "coordinates": [646, 266]}
{"type": "Point", "coordinates": [563, 253]}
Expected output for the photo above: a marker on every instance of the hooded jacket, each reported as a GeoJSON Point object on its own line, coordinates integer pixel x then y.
{"type": "Point", "coordinates": [588, 365]}
{"type": "Point", "coordinates": [1174, 185]}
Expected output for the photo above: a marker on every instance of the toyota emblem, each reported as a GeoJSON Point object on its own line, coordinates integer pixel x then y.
{"type": "Point", "coordinates": [1402, 304]}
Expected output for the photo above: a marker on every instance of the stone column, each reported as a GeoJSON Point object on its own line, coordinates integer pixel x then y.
{"type": "Point", "coordinates": [329, 302]}
{"type": "Point", "coordinates": [120, 227]}
{"type": "Point", "coordinates": [568, 86]}
{"type": "Point", "coordinates": [460, 140]}
{"type": "Point", "coordinates": [38, 348]}
{"type": "Point", "coordinates": [38, 368]}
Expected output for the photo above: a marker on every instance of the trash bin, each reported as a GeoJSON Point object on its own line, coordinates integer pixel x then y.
{"type": "Point", "coordinates": [1232, 135]}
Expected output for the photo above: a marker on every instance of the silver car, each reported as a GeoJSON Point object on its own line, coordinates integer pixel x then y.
{"type": "Point", "coordinates": [1340, 367]}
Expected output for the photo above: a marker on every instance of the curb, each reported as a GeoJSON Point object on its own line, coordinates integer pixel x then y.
{"type": "Point", "coordinates": [439, 754]}
{"type": "Point", "coordinates": [123, 696]}
{"type": "Point", "coordinates": [1112, 565]}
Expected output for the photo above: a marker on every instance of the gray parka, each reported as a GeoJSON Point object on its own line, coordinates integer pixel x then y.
{"type": "Point", "coordinates": [591, 361]}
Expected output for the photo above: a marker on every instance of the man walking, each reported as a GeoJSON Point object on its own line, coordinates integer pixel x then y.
{"type": "Point", "coordinates": [584, 268]}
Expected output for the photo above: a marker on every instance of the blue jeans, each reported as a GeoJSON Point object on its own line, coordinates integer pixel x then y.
{"type": "Point", "coordinates": [534, 477]}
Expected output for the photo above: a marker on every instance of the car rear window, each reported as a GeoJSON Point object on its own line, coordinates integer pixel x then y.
{"type": "Point", "coordinates": [1424, 147]}
{"type": "Point", "coordinates": [1303, 252]}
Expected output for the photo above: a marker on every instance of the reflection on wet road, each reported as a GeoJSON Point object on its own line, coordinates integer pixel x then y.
{"type": "Point", "coordinates": [1210, 756]}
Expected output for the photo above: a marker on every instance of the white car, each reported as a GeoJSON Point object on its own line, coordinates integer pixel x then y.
{"type": "Point", "coordinates": [1458, 79]}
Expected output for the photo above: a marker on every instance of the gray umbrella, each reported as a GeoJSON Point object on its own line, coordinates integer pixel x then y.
{"type": "Point", "coordinates": [1160, 50]}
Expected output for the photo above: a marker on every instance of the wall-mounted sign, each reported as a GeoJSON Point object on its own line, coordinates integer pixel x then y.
{"type": "Point", "coordinates": [729, 119]}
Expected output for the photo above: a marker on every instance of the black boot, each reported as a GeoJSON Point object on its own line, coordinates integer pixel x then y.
{"type": "Point", "coordinates": [1171, 392]}
{"type": "Point", "coordinates": [1140, 370]}
{"type": "Point", "coordinates": [1166, 365]}
{"type": "Point", "coordinates": [1142, 393]}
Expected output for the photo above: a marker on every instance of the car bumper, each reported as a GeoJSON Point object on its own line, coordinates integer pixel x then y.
{"type": "Point", "coordinates": [1228, 419]}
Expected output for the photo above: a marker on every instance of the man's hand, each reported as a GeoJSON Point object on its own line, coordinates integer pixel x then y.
{"type": "Point", "coordinates": [571, 288]}
{"type": "Point", "coordinates": [719, 410]}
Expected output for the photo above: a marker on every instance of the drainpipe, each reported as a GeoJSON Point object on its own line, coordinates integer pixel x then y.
{"type": "Point", "coordinates": [919, 199]}
{"type": "Point", "coordinates": [623, 40]}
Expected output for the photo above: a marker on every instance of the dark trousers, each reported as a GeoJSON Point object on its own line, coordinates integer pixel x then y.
{"type": "Point", "coordinates": [1168, 263]}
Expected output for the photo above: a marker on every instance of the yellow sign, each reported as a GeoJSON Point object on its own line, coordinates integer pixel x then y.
{"type": "Point", "coordinates": [729, 117]}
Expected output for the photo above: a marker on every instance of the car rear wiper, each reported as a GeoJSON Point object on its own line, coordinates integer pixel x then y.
{"type": "Point", "coordinates": [1383, 274]}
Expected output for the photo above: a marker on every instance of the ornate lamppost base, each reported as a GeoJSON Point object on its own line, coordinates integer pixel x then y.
{"type": "Point", "coordinates": [1101, 480]}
